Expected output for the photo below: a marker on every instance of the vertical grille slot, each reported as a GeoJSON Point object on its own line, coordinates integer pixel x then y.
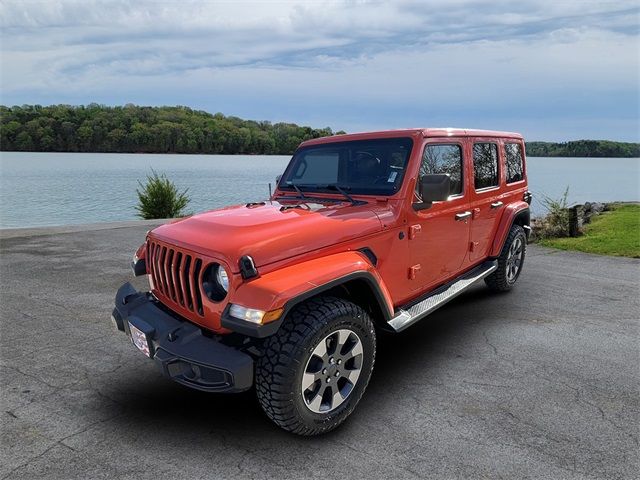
{"type": "Point", "coordinates": [159, 270]}
{"type": "Point", "coordinates": [196, 277]}
{"type": "Point", "coordinates": [186, 278]}
{"type": "Point", "coordinates": [176, 275]}
{"type": "Point", "coordinates": [167, 274]}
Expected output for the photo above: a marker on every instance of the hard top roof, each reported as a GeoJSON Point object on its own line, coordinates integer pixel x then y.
{"type": "Point", "coordinates": [414, 132]}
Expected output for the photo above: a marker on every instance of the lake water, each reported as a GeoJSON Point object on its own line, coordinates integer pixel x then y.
{"type": "Point", "coordinates": [40, 189]}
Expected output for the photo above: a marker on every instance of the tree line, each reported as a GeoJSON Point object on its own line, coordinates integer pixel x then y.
{"type": "Point", "coordinates": [583, 148]}
{"type": "Point", "coordinates": [136, 129]}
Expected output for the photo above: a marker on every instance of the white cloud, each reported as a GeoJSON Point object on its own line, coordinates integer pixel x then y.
{"type": "Point", "coordinates": [394, 58]}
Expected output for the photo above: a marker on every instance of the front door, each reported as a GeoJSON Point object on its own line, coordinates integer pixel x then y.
{"type": "Point", "coordinates": [439, 235]}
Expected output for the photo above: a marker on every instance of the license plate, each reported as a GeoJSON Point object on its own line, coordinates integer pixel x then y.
{"type": "Point", "coordinates": [139, 339]}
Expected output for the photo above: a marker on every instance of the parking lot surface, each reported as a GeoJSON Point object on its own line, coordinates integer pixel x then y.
{"type": "Point", "coordinates": [541, 382]}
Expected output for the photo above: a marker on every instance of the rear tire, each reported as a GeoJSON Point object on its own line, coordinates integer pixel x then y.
{"type": "Point", "coordinates": [510, 261]}
{"type": "Point", "coordinates": [314, 370]}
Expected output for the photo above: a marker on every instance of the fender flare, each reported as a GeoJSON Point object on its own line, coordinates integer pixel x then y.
{"type": "Point", "coordinates": [287, 287]}
{"type": "Point", "coordinates": [512, 212]}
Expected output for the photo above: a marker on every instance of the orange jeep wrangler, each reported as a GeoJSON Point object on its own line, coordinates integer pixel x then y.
{"type": "Point", "coordinates": [363, 233]}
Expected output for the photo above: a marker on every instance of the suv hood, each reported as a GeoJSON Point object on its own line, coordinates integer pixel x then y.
{"type": "Point", "coordinates": [269, 231]}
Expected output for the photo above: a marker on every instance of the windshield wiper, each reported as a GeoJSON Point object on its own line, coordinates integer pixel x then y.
{"type": "Point", "coordinates": [337, 187]}
{"type": "Point", "coordinates": [297, 188]}
{"type": "Point", "coordinates": [324, 186]}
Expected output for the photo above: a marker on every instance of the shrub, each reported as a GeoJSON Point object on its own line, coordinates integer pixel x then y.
{"type": "Point", "coordinates": [556, 222]}
{"type": "Point", "coordinates": [160, 198]}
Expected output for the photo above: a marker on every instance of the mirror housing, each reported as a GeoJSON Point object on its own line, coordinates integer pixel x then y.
{"type": "Point", "coordinates": [433, 188]}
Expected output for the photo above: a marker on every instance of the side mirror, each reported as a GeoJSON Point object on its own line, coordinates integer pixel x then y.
{"type": "Point", "coordinates": [433, 188]}
{"type": "Point", "coordinates": [278, 179]}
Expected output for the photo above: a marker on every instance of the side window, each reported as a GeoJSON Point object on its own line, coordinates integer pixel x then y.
{"type": "Point", "coordinates": [485, 165]}
{"type": "Point", "coordinates": [441, 158]}
{"type": "Point", "coordinates": [515, 170]}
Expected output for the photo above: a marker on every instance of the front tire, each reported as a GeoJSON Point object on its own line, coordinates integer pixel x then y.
{"type": "Point", "coordinates": [510, 261]}
{"type": "Point", "coordinates": [315, 369]}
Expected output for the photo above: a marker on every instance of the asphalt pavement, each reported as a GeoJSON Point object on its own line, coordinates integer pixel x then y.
{"type": "Point", "coordinates": [541, 382]}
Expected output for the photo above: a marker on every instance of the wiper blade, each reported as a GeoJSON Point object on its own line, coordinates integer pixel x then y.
{"type": "Point", "coordinates": [297, 188]}
{"type": "Point", "coordinates": [327, 186]}
{"type": "Point", "coordinates": [337, 187]}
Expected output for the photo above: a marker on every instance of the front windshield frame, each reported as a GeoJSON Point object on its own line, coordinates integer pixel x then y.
{"type": "Point", "coordinates": [384, 147]}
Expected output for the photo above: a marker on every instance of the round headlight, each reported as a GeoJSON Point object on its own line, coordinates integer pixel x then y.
{"type": "Point", "coordinates": [222, 278]}
{"type": "Point", "coordinates": [215, 282]}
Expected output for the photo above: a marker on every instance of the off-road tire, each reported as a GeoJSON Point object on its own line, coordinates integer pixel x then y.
{"type": "Point", "coordinates": [500, 280]}
{"type": "Point", "coordinates": [279, 370]}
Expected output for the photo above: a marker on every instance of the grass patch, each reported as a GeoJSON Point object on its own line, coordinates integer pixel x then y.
{"type": "Point", "coordinates": [616, 232]}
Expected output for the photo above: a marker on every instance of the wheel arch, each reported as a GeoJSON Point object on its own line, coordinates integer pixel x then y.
{"type": "Point", "coordinates": [360, 288]}
{"type": "Point", "coordinates": [515, 214]}
{"type": "Point", "coordinates": [348, 275]}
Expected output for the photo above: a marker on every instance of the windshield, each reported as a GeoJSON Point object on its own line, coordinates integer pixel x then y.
{"type": "Point", "coordinates": [373, 167]}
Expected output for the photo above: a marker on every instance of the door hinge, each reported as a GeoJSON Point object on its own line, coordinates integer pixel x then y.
{"type": "Point", "coordinates": [414, 230]}
{"type": "Point", "coordinates": [473, 246]}
{"type": "Point", "coordinates": [413, 271]}
{"type": "Point", "coordinates": [476, 213]}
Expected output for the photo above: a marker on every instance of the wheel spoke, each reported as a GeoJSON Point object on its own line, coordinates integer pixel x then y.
{"type": "Point", "coordinates": [336, 399]}
{"type": "Point", "coordinates": [317, 401]}
{"type": "Point", "coordinates": [308, 379]}
{"type": "Point", "coordinates": [355, 351]}
{"type": "Point", "coordinates": [321, 349]}
{"type": "Point", "coordinates": [343, 336]}
{"type": "Point", "coordinates": [352, 375]}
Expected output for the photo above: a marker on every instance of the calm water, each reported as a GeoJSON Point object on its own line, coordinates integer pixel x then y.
{"type": "Point", "coordinates": [38, 189]}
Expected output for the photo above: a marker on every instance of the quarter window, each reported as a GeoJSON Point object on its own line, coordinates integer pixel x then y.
{"type": "Point", "coordinates": [447, 159]}
{"type": "Point", "coordinates": [515, 170]}
{"type": "Point", "coordinates": [485, 165]}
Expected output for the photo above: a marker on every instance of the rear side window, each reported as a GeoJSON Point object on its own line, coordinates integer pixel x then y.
{"type": "Point", "coordinates": [447, 159]}
{"type": "Point", "coordinates": [485, 165]}
{"type": "Point", "coordinates": [515, 170]}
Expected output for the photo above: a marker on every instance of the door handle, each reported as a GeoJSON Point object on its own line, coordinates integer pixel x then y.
{"type": "Point", "coordinates": [463, 215]}
{"type": "Point", "coordinates": [496, 204]}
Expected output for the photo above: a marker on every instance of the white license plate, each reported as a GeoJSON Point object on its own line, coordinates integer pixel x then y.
{"type": "Point", "coordinates": [139, 339]}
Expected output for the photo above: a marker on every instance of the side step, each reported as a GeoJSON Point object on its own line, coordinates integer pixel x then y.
{"type": "Point", "coordinates": [409, 315]}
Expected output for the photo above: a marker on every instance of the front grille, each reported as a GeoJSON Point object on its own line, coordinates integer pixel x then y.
{"type": "Point", "coordinates": [176, 275]}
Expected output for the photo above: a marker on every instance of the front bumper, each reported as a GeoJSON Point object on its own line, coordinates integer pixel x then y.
{"type": "Point", "coordinates": [180, 348]}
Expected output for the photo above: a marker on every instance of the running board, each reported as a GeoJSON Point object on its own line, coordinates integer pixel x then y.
{"type": "Point", "coordinates": [406, 317]}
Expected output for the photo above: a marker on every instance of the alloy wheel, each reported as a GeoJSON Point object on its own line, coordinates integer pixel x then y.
{"type": "Point", "coordinates": [332, 371]}
{"type": "Point", "coordinates": [514, 259]}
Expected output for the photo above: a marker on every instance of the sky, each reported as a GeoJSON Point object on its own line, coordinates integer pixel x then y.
{"type": "Point", "coordinates": [552, 70]}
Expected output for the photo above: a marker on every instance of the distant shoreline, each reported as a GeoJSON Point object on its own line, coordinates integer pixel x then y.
{"type": "Point", "coordinates": [260, 154]}
{"type": "Point", "coordinates": [181, 130]}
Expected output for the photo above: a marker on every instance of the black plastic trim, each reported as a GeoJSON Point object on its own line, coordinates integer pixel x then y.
{"type": "Point", "coordinates": [370, 255]}
{"type": "Point", "coordinates": [182, 350]}
{"type": "Point", "coordinates": [513, 221]}
{"type": "Point", "coordinates": [139, 268]}
{"type": "Point", "coordinates": [247, 328]}
{"type": "Point", "coordinates": [261, 331]}
{"type": "Point", "coordinates": [248, 268]}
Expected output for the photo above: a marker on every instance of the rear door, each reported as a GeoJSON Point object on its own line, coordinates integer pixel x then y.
{"type": "Point", "coordinates": [486, 202]}
{"type": "Point", "coordinates": [439, 235]}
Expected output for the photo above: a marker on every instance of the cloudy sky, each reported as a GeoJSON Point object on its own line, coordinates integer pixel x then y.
{"type": "Point", "coordinates": [553, 70]}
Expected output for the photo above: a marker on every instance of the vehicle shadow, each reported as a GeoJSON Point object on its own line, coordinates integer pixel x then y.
{"type": "Point", "coordinates": [174, 408]}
